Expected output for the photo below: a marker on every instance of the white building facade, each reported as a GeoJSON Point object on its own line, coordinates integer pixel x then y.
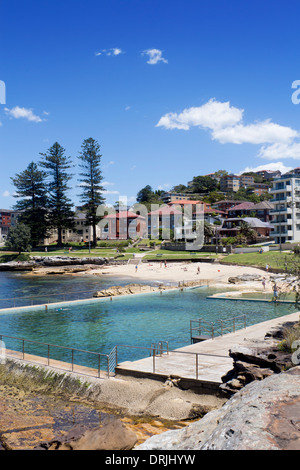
{"type": "Point", "coordinates": [286, 212]}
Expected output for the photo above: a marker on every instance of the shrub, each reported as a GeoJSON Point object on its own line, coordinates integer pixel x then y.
{"type": "Point", "coordinates": [289, 336]}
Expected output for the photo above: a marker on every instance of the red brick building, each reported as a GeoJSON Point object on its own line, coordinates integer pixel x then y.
{"type": "Point", "coordinates": [124, 225]}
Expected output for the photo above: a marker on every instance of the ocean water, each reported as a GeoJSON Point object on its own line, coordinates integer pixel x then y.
{"type": "Point", "coordinates": [18, 290]}
{"type": "Point", "coordinates": [133, 320]}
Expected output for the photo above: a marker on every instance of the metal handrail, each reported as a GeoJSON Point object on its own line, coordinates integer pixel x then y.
{"type": "Point", "coordinates": [159, 349]}
{"type": "Point", "coordinates": [49, 345]}
{"type": "Point", "coordinates": [154, 356]}
{"type": "Point", "coordinates": [220, 326]}
{"type": "Point", "coordinates": [112, 358]}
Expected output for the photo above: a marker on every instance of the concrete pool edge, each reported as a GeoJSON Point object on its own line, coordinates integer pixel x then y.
{"type": "Point", "coordinates": [66, 303]}
{"type": "Point", "coordinates": [222, 296]}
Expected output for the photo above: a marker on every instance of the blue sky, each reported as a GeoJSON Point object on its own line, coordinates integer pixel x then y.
{"type": "Point", "coordinates": [170, 89]}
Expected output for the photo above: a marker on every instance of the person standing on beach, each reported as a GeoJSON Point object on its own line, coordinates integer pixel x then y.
{"type": "Point", "coordinates": [264, 283]}
{"type": "Point", "coordinates": [136, 268]}
{"type": "Point", "coordinates": [275, 293]}
{"type": "Point", "coordinates": [198, 270]}
{"type": "Point", "coordinates": [267, 268]}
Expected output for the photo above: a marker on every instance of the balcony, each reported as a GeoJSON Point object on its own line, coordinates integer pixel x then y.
{"type": "Point", "coordinates": [282, 210]}
{"type": "Point", "coordinates": [279, 199]}
{"type": "Point", "coordinates": [287, 187]}
{"type": "Point", "coordinates": [284, 233]}
{"type": "Point", "coordinates": [280, 222]}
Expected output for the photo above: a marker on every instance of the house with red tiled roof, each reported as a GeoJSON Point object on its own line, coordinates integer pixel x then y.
{"type": "Point", "coordinates": [123, 225]}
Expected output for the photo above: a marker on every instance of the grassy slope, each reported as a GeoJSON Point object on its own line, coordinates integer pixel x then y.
{"type": "Point", "coordinates": [274, 259]}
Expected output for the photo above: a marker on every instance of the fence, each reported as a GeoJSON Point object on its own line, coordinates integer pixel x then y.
{"type": "Point", "coordinates": [168, 364]}
{"type": "Point", "coordinates": [105, 364]}
{"type": "Point", "coordinates": [64, 358]}
{"type": "Point", "coordinates": [218, 328]}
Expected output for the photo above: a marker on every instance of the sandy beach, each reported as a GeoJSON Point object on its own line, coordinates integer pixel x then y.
{"type": "Point", "coordinates": [179, 272]}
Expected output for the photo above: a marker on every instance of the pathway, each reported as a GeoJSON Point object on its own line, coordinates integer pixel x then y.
{"type": "Point", "coordinates": [205, 362]}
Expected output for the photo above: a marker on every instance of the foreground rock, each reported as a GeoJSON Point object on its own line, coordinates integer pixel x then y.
{"type": "Point", "coordinates": [264, 415]}
{"type": "Point", "coordinates": [257, 360]}
{"type": "Point", "coordinates": [112, 436]}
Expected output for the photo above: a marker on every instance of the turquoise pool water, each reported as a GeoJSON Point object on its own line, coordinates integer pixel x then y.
{"type": "Point", "coordinates": [132, 320]}
{"type": "Point", "coordinates": [17, 290]}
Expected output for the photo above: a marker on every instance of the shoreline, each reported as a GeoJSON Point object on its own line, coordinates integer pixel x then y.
{"type": "Point", "coordinates": [185, 272]}
{"type": "Point", "coordinates": [173, 274]}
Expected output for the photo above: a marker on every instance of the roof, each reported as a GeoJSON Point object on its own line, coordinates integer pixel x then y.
{"type": "Point", "coordinates": [252, 221]}
{"type": "Point", "coordinates": [227, 201]}
{"type": "Point", "coordinates": [10, 211]}
{"type": "Point", "coordinates": [264, 205]}
{"type": "Point", "coordinates": [124, 215]}
{"type": "Point", "coordinates": [184, 201]}
{"type": "Point", "coordinates": [207, 209]}
{"type": "Point", "coordinates": [243, 206]}
{"type": "Point", "coordinates": [166, 210]}
{"type": "Point", "coordinates": [80, 215]}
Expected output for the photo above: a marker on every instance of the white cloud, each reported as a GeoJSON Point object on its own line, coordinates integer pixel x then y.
{"type": "Point", "coordinates": [23, 113]}
{"type": "Point", "coordinates": [154, 56]}
{"type": "Point", "coordinates": [265, 132]}
{"type": "Point", "coordinates": [116, 51]}
{"type": "Point", "coordinates": [226, 125]}
{"type": "Point", "coordinates": [274, 166]}
{"type": "Point", "coordinates": [212, 115]}
{"type": "Point", "coordinates": [106, 165]}
{"type": "Point", "coordinates": [113, 51]}
{"type": "Point", "coordinates": [280, 150]}
{"type": "Point", "coordinates": [107, 183]}
{"type": "Point", "coordinates": [106, 191]}
{"type": "Point", "coordinates": [6, 194]}
{"type": "Point", "coordinates": [164, 186]}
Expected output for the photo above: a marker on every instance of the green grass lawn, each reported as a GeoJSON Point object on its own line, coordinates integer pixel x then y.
{"type": "Point", "coordinates": [167, 254]}
{"type": "Point", "coordinates": [274, 259]}
{"type": "Point", "coordinates": [6, 256]}
{"type": "Point", "coordinates": [77, 253]}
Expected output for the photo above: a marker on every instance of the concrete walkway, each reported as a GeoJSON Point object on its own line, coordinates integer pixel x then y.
{"type": "Point", "coordinates": [205, 362]}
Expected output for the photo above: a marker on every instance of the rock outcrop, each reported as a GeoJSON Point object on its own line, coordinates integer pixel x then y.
{"type": "Point", "coordinates": [36, 262]}
{"type": "Point", "coordinates": [130, 289]}
{"type": "Point", "coordinates": [257, 360]}
{"type": "Point", "coordinates": [112, 436]}
{"type": "Point", "coordinates": [264, 415]}
{"type": "Point", "coordinates": [245, 278]}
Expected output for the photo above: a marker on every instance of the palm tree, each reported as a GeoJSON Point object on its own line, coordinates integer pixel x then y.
{"type": "Point", "coordinates": [247, 232]}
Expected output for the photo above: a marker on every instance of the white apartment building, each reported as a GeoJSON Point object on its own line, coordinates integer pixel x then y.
{"type": "Point", "coordinates": [286, 212]}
